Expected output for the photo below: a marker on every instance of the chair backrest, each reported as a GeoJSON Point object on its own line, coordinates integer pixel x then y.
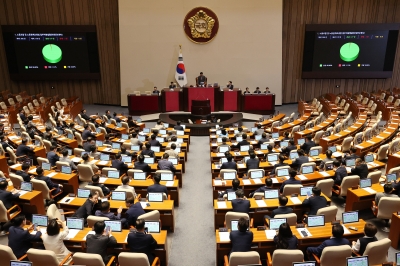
{"type": "Point", "coordinates": [234, 216]}
{"type": "Point", "coordinates": [356, 137]}
{"type": "Point", "coordinates": [364, 101]}
{"type": "Point", "coordinates": [85, 172]}
{"type": "Point", "coordinates": [47, 145]}
{"type": "Point", "coordinates": [87, 259]}
{"type": "Point", "coordinates": [92, 126]}
{"type": "Point", "coordinates": [342, 102]}
{"type": "Point", "coordinates": [78, 152]}
{"type": "Point", "coordinates": [113, 121]}
{"type": "Point", "coordinates": [39, 138]}
{"type": "Point", "coordinates": [42, 160]}
{"type": "Point", "coordinates": [307, 164]}
{"type": "Point", "coordinates": [318, 136]}
{"type": "Point", "coordinates": [26, 136]}
{"type": "Point", "coordinates": [3, 105]}
{"type": "Point", "coordinates": [291, 189]}
{"type": "Point", "coordinates": [337, 100]}
{"type": "Point", "coordinates": [319, 148]}
{"type": "Point", "coordinates": [291, 218]}
{"type": "Point", "coordinates": [130, 258]}
{"type": "Point", "coordinates": [381, 154]}
{"type": "Point", "coordinates": [346, 144]}
{"type": "Point", "coordinates": [79, 138]}
{"type": "Point", "coordinates": [286, 257]}
{"type": "Point", "coordinates": [91, 220]}
{"type": "Point", "coordinates": [105, 170]}
{"type": "Point", "coordinates": [223, 171]}
{"type": "Point", "coordinates": [131, 171]}
{"type": "Point", "coordinates": [16, 180]}
{"type": "Point", "coordinates": [326, 186]}
{"type": "Point", "coordinates": [374, 176]}
{"type": "Point", "coordinates": [42, 257]}
{"type": "Point", "coordinates": [6, 254]}
{"type": "Point", "coordinates": [335, 255]}
{"type": "Point", "coordinates": [396, 103]}
{"type": "Point", "coordinates": [103, 130]}
{"type": "Point", "coordinates": [36, 103]}
{"type": "Point", "coordinates": [294, 129]}
{"type": "Point", "coordinates": [61, 164]}
{"type": "Point", "coordinates": [11, 101]}
{"type": "Point", "coordinates": [370, 103]}
{"type": "Point", "coordinates": [377, 251]}
{"type": "Point", "coordinates": [348, 182]}
{"type": "Point", "coordinates": [12, 155]}
{"type": "Point", "coordinates": [53, 212]}
{"type": "Point", "coordinates": [95, 189]}
{"type": "Point", "coordinates": [3, 213]}
{"type": "Point", "coordinates": [383, 95]}
{"type": "Point", "coordinates": [150, 216]}
{"type": "Point", "coordinates": [244, 258]}
{"type": "Point", "coordinates": [40, 185]}
{"type": "Point", "coordinates": [391, 171]}
{"type": "Point", "coordinates": [394, 146]}
{"type": "Point", "coordinates": [390, 99]}
{"type": "Point", "coordinates": [387, 206]}
{"type": "Point", "coordinates": [329, 212]}
{"type": "Point", "coordinates": [64, 102]}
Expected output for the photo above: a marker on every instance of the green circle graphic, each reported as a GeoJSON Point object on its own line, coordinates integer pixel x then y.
{"type": "Point", "coordinates": [52, 53]}
{"type": "Point", "coordinates": [349, 51]}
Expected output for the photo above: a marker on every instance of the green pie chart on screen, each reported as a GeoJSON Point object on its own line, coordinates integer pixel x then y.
{"type": "Point", "coordinates": [349, 51]}
{"type": "Point", "coordinates": [52, 53]}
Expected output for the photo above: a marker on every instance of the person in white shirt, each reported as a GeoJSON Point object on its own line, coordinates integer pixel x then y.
{"type": "Point", "coordinates": [172, 152]}
{"type": "Point", "coordinates": [159, 125]}
{"type": "Point", "coordinates": [85, 159]}
{"type": "Point", "coordinates": [125, 185]}
{"type": "Point", "coordinates": [54, 239]}
{"type": "Point", "coordinates": [134, 139]}
{"type": "Point", "coordinates": [174, 141]}
{"type": "Point", "coordinates": [369, 230]}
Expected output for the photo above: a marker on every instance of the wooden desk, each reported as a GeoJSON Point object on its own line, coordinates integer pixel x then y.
{"type": "Point", "coordinates": [359, 199]}
{"type": "Point", "coordinates": [268, 122]}
{"type": "Point", "coordinates": [311, 131]}
{"type": "Point", "coordinates": [394, 233]}
{"type": "Point", "coordinates": [289, 126]}
{"type": "Point", "coordinates": [166, 209]}
{"type": "Point", "coordinates": [31, 202]}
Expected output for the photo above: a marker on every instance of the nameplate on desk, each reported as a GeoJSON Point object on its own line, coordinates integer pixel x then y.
{"type": "Point", "coordinates": [52, 174]}
{"type": "Point", "coordinates": [337, 154]}
{"type": "Point", "coordinates": [221, 204]}
{"type": "Point", "coordinates": [214, 144]}
{"type": "Point", "coordinates": [369, 190]}
{"type": "Point", "coordinates": [261, 203]}
{"type": "Point", "coordinates": [372, 164]}
{"type": "Point", "coordinates": [353, 127]}
{"type": "Point", "coordinates": [397, 155]}
{"type": "Point", "coordinates": [246, 182]}
{"type": "Point", "coordinates": [270, 234]}
{"type": "Point", "coordinates": [259, 152]}
{"type": "Point", "coordinates": [338, 135]}
{"type": "Point", "coordinates": [319, 126]}
{"type": "Point", "coordinates": [169, 183]}
{"type": "Point", "coordinates": [278, 127]}
{"type": "Point", "coordinates": [391, 127]}
{"type": "Point", "coordinates": [324, 173]}
{"type": "Point", "coordinates": [76, 159]}
{"type": "Point", "coordinates": [237, 153]}
{"type": "Point", "coordinates": [291, 124]}
{"type": "Point", "coordinates": [295, 200]}
{"type": "Point", "coordinates": [302, 177]}
{"type": "Point", "coordinates": [62, 139]}
{"type": "Point", "coordinates": [13, 137]}
{"type": "Point", "coordinates": [348, 169]}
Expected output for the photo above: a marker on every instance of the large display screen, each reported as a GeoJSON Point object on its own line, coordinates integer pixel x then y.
{"type": "Point", "coordinates": [51, 52]}
{"type": "Point", "coordinates": [349, 50]}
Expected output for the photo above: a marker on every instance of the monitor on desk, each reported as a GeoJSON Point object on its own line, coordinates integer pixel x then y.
{"type": "Point", "coordinates": [274, 223]}
{"type": "Point", "coordinates": [104, 157]}
{"type": "Point", "coordinates": [83, 193]}
{"type": "Point", "coordinates": [20, 263]}
{"type": "Point", "coordinates": [146, 130]}
{"type": "Point", "coordinates": [358, 261]}
{"type": "Point", "coordinates": [282, 172]}
{"type": "Point", "coordinates": [174, 161]}
{"type": "Point", "coordinates": [272, 157]}
{"type": "Point", "coordinates": [218, 132]}
{"type": "Point", "coordinates": [115, 226]}
{"type": "Point", "coordinates": [271, 194]}
{"type": "Point", "coordinates": [231, 195]}
{"type": "Point", "coordinates": [223, 149]}
{"type": "Point", "coordinates": [152, 226]}
{"type": "Point", "coordinates": [350, 162]}
{"type": "Point", "coordinates": [368, 158]}
{"type": "Point", "coordinates": [149, 160]}
{"type": "Point", "coordinates": [142, 138]}
{"type": "Point", "coordinates": [116, 146]}
{"type": "Point", "coordinates": [66, 169]}
{"type": "Point", "coordinates": [118, 195]}
{"type": "Point", "coordinates": [257, 137]}
{"type": "Point", "coordinates": [306, 191]}
{"type": "Point", "coordinates": [178, 149]}
{"type": "Point", "coordinates": [314, 152]}
{"type": "Point", "coordinates": [366, 182]}
{"type": "Point", "coordinates": [229, 175]}
{"type": "Point", "coordinates": [160, 139]}
{"type": "Point", "coordinates": [257, 174]}
{"type": "Point", "coordinates": [98, 130]}
{"type": "Point", "coordinates": [223, 160]}
{"type": "Point", "coordinates": [37, 143]}
{"type": "Point", "coordinates": [75, 223]}
{"type": "Point", "coordinates": [308, 169]}
{"type": "Point", "coordinates": [99, 143]}
{"type": "Point", "coordinates": [40, 220]}
{"type": "Point", "coordinates": [26, 186]}
{"type": "Point", "coordinates": [246, 158]}
{"type": "Point", "coordinates": [46, 166]}
{"type": "Point", "coordinates": [350, 217]}
{"type": "Point", "coordinates": [238, 139]}
{"type": "Point", "coordinates": [60, 132]}
{"type": "Point", "coordinates": [165, 125]}
{"type": "Point", "coordinates": [162, 132]}
{"type": "Point", "coordinates": [179, 140]}
{"type": "Point", "coordinates": [155, 196]}
{"type": "Point", "coordinates": [139, 175]}
{"type": "Point", "coordinates": [332, 149]}
{"type": "Point", "coordinates": [113, 174]}
{"type": "Point", "coordinates": [391, 177]}
{"type": "Point", "coordinates": [301, 141]}
{"type": "Point", "coordinates": [124, 136]}
{"type": "Point", "coordinates": [264, 146]}
{"type": "Point", "coordinates": [126, 159]}
{"type": "Point", "coordinates": [70, 136]}
{"type": "Point", "coordinates": [155, 148]}
{"type": "Point", "coordinates": [293, 155]}
{"type": "Point", "coordinates": [119, 124]}
{"type": "Point", "coordinates": [328, 166]}
{"type": "Point", "coordinates": [305, 263]}
{"type": "Point", "coordinates": [135, 148]}
{"type": "Point", "coordinates": [167, 176]}
{"type": "Point", "coordinates": [180, 133]}
{"type": "Point", "coordinates": [284, 144]}
{"type": "Point", "coordinates": [275, 135]}
{"type": "Point", "coordinates": [315, 220]}
{"type": "Point", "coordinates": [219, 140]}
{"type": "Point", "coordinates": [69, 152]}
{"type": "Point", "coordinates": [245, 148]}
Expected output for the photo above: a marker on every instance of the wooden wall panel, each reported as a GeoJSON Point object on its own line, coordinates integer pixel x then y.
{"type": "Point", "coordinates": [102, 13]}
{"type": "Point", "coordinates": [297, 13]}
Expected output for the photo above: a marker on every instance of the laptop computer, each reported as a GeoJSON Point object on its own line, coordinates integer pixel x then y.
{"type": "Point", "coordinates": [271, 194]}
{"type": "Point", "coordinates": [125, 136]}
{"type": "Point", "coordinates": [231, 195]}
{"type": "Point", "coordinates": [302, 127]}
{"type": "Point", "coordinates": [115, 226]}
{"type": "Point", "coordinates": [223, 160]}
{"type": "Point", "coordinates": [98, 130]}
{"type": "Point", "coordinates": [332, 148]}
{"type": "Point", "coordinates": [315, 220]}
{"type": "Point", "coordinates": [167, 176]}
{"type": "Point", "coordinates": [162, 131]}
{"type": "Point", "coordinates": [146, 130]}
{"type": "Point", "coordinates": [118, 195]}
{"type": "Point", "coordinates": [218, 132]}
{"type": "Point", "coordinates": [367, 182]}
{"type": "Point", "coordinates": [306, 191]}
{"type": "Point", "coordinates": [174, 161]}
{"type": "Point", "coordinates": [113, 174]}
{"type": "Point", "coordinates": [238, 139]}
{"type": "Point", "coordinates": [69, 152]}
{"type": "Point", "coordinates": [116, 146]}
{"type": "Point", "coordinates": [26, 186]}
{"type": "Point", "coordinates": [272, 157]}
{"type": "Point", "coordinates": [46, 166]}
{"type": "Point", "coordinates": [219, 140]}
{"type": "Point", "coordinates": [327, 133]}
{"type": "Point", "coordinates": [301, 141]}
{"type": "Point", "coordinates": [139, 176]}
{"type": "Point", "coordinates": [70, 136]}
{"type": "Point", "coordinates": [83, 193]}
{"type": "Point", "coordinates": [284, 144]}
{"type": "Point", "coordinates": [282, 172]}
{"type": "Point", "coordinates": [83, 153]}
{"type": "Point", "coordinates": [369, 158]}
{"type": "Point", "coordinates": [314, 153]}
{"type": "Point", "coordinates": [126, 159]}
{"type": "Point", "coordinates": [257, 174]}
{"type": "Point", "coordinates": [142, 138]}
{"type": "Point", "coordinates": [161, 140]}
{"type": "Point", "coordinates": [75, 223]}
{"type": "Point", "coordinates": [358, 261]}
{"type": "Point", "coordinates": [40, 220]}
{"type": "Point", "coordinates": [264, 146]}
{"type": "Point", "coordinates": [166, 125]}
{"type": "Point", "coordinates": [66, 169]}
{"type": "Point", "coordinates": [293, 155]}
{"type": "Point", "coordinates": [350, 217]}
{"type": "Point", "coordinates": [152, 226]}
{"type": "Point", "coordinates": [307, 169]}
{"type": "Point", "coordinates": [149, 160]}
{"type": "Point", "coordinates": [99, 143]}
{"type": "Point", "coordinates": [119, 124]}
{"type": "Point", "coordinates": [155, 148]}
{"type": "Point", "coordinates": [37, 143]}
{"type": "Point", "coordinates": [305, 263]}
{"type": "Point", "coordinates": [275, 135]}
{"type": "Point", "coordinates": [350, 162]}
{"type": "Point", "coordinates": [20, 263]}
{"type": "Point", "coordinates": [104, 157]}
{"type": "Point", "coordinates": [223, 149]}
{"type": "Point", "coordinates": [391, 177]}
{"type": "Point", "coordinates": [257, 137]}
{"type": "Point", "coordinates": [135, 148]}
{"type": "Point", "coordinates": [274, 223]}
{"type": "Point", "coordinates": [229, 175]}
{"type": "Point", "coordinates": [155, 197]}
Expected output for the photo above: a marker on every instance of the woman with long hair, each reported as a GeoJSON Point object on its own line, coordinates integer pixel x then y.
{"type": "Point", "coordinates": [285, 238]}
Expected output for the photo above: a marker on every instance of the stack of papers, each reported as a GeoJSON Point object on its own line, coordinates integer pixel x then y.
{"type": "Point", "coordinates": [102, 179]}
{"type": "Point", "coordinates": [257, 181]}
{"type": "Point", "coordinates": [270, 234]}
{"type": "Point", "coordinates": [295, 200]}
{"type": "Point", "coordinates": [346, 231]}
{"type": "Point", "coordinates": [302, 177]}
{"type": "Point", "coordinates": [217, 182]}
{"type": "Point", "coordinates": [359, 146]}
{"type": "Point", "coordinates": [224, 237]}
{"type": "Point", "coordinates": [246, 182]}
{"type": "Point", "coordinates": [72, 233]}
{"type": "Point", "coordinates": [221, 204]}
{"type": "Point", "coordinates": [76, 159]}
{"type": "Point", "coordinates": [274, 180]}
{"type": "Point", "coordinates": [241, 165]}
{"type": "Point", "coordinates": [102, 162]}
{"type": "Point", "coordinates": [144, 204]}
{"type": "Point", "coordinates": [369, 190]}
{"type": "Point", "coordinates": [261, 203]}
{"type": "Point", "coordinates": [220, 154]}
{"type": "Point", "coordinates": [324, 173]}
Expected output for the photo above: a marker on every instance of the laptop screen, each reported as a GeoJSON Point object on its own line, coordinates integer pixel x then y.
{"type": "Point", "coordinates": [146, 130]}
{"type": "Point", "coordinates": [116, 146]}
{"type": "Point", "coordinates": [314, 152]}
{"type": "Point", "coordinates": [135, 148]}
{"type": "Point", "coordinates": [75, 223]}
{"type": "Point", "coordinates": [294, 155]}
{"type": "Point", "coordinates": [397, 258]}
{"type": "Point", "coordinates": [46, 166]}
{"type": "Point", "coordinates": [238, 139]}
{"type": "Point", "coordinates": [66, 169]}
{"type": "Point", "coordinates": [37, 143]}
{"type": "Point", "coordinates": [274, 223]}
{"type": "Point", "coordinates": [83, 193]}
{"type": "Point", "coordinates": [166, 125]}
{"type": "Point", "coordinates": [245, 148]}
{"type": "Point", "coordinates": [358, 261]}
{"type": "Point", "coordinates": [70, 136]}
{"type": "Point", "coordinates": [350, 162]}
{"type": "Point", "coordinates": [40, 220]}
{"type": "Point", "coordinates": [300, 141]}
{"type": "Point", "coordinates": [155, 197]}
{"type": "Point", "coordinates": [179, 140]}
{"type": "Point", "coordinates": [104, 157]}
{"type": "Point", "coordinates": [167, 176]}
{"type": "Point", "coordinates": [223, 149]}
{"type": "Point", "coordinates": [69, 152]}
{"type": "Point", "coordinates": [315, 220]}
{"type": "Point", "coordinates": [98, 130]}
{"type": "Point", "coordinates": [126, 159]}
{"type": "Point", "coordinates": [350, 217]}
{"type": "Point", "coordinates": [253, 129]}
{"type": "Point", "coordinates": [178, 149]}
{"type": "Point", "coordinates": [332, 148]}
{"type": "Point", "coordinates": [282, 172]}
{"type": "Point", "coordinates": [223, 160]}
{"type": "Point", "coordinates": [284, 144]}
{"type": "Point", "coordinates": [231, 195]}
{"type": "Point", "coordinates": [152, 226]}
{"type": "Point", "coordinates": [20, 263]}
{"type": "Point", "coordinates": [139, 176]}
{"type": "Point", "coordinates": [162, 131]}
{"type": "Point", "coordinates": [365, 182]}
{"type": "Point", "coordinates": [99, 143]}
{"type": "Point", "coordinates": [229, 175]}
{"type": "Point", "coordinates": [306, 191]}
{"type": "Point", "coordinates": [125, 136]}
{"type": "Point", "coordinates": [257, 137]}
{"type": "Point", "coordinates": [328, 166]}
{"type": "Point", "coordinates": [142, 138]}
{"type": "Point", "coordinates": [119, 124]}
{"type": "Point", "coordinates": [369, 158]}
{"type": "Point", "coordinates": [391, 177]}
{"type": "Point", "coordinates": [118, 195]}
{"type": "Point", "coordinates": [113, 174]}
{"type": "Point", "coordinates": [275, 135]}
{"type": "Point", "coordinates": [257, 174]}
{"type": "Point", "coordinates": [115, 226]}
{"type": "Point", "coordinates": [180, 133]}
{"type": "Point", "coordinates": [264, 146]}
{"type": "Point", "coordinates": [27, 186]}
{"type": "Point", "coordinates": [307, 169]}
{"type": "Point", "coordinates": [155, 148]}
{"type": "Point", "coordinates": [272, 157]}
{"type": "Point", "coordinates": [305, 263]}
{"type": "Point", "coordinates": [271, 194]}
{"type": "Point", "coordinates": [149, 160]}
{"type": "Point", "coordinates": [161, 140]}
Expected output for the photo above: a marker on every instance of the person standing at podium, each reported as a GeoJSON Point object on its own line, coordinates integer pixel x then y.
{"type": "Point", "coordinates": [257, 91]}
{"type": "Point", "coordinates": [172, 86]}
{"type": "Point", "coordinates": [230, 86]}
{"type": "Point", "coordinates": [201, 80]}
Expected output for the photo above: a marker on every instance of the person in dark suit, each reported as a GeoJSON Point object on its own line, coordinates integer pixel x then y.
{"type": "Point", "coordinates": [240, 204]}
{"type": "Point", "coordinates": [201, 80]}
{"type": "Point", "coordinates": [178, 126]}
{"type": "Point", "coordinates": [19, 239]}
{"type": "Point", "coordinates": [87, 133]}
{"type": "Point", "coordinates": [95, 182]}
{"type": "Point", "coordinates": [142, 242]}
{"type": "Point", "coordinates": [47, 134]}
{"type": "Point", "coordinates": [268, 186]}
{"type": "Point", "coordinates": [133, 212]}
{"type": "Point", "coordinates": [229, 164]}
{"type": "Point", "coordinates": [241, 239]}
{"type": "Point", "coordinates": [264, 138]}
{"type": "Point", "coordinates": [291, 180]}
{"type": "Point", "coordinates": [336, 240]}
{"type": "Point", "coordinates": [281, 163]}
{"type": "Point", "coordinates": [100, 241]}
{"type": "Point", "coordinates": [308, 144]}
{"type": "Point", "coordinates": [299, 161]}
{"type": "Point", "coordinates": [172, 86]}
{"type": "Point", "coordinates": [351, 155]}
{"type": "Point", "coordinates": [257, 91]}
{"type": "Point", "coordinates": [259, 130]}
{"type": "Point", "coordinates": [253, 162]}
{"type": "Point", "coordinates": [141, 165]}
{"type": "Point", "coordinates": [4, 143]}
{"type": "Point", "coordinates": [6, 196]}
{"type": "Point", "coordinates": [244, 141]}
{"type": "Point", "coordinates": [52, 156]}
{"type": "Point", "coordinates": [85, 116]}
{"type": "Point", "coordinates": [147, 150]}
{"type": "Point", "coordinates": [328, 158]}
{"type": "Point", "coordinates": [22, 114]}
{"type": "Point", "coordinates": [361, 169]}
{"type": "Point", "coordinates": [88, 208]}
{"type": "Point", "coordinates": [24, 172]}
{"type": "Point", "coordinates": [285, 238]}
{"type": "Point", "coordinates": [286, 136]}
{"type": "Point", "coordinates": [23, 149]}
{"type": "Point", "coordinates": [370, 231]}
{"type": "Point", "coordinates": [157, 187]}
{"type": "Point", "coordinates": [340, 172]}
{"type": "Point", "coordinates": [267, 91]}
{"type": "Point", "coordinates": [88, 143]}
{"type": "Point", "coordinates": [108, 114]}
{"type": "Point", "coordinates": [247, 91]}
{"type": "Point", "coordinates": [117, 119]}
{"type": "Point", "coordinates": [164, 164]}
{"type": "Point", "coordinates": [49, 183]}
{"type": "Point", "coordinates": [119, 164]}
{"type": "Point", "coordinates": [282, 209]}
{"type": "Point", "coordinates": [153, 141]}
{"type": "Point", "coordinates": [235, 186]}
{"type": "Point", "coordinates": [155, 91]}
{"type": "Point", "coordinates": [292, 146]}
{"type": "Point", "coordinates": [230, 86]}
{"type": "Point", "coordinates": [315, 201]}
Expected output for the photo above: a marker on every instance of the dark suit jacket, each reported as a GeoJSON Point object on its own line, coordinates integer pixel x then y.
{"type": "Point", "coordinates": [117, 164]}
{"type": "Point", "coordinates": [350, 156]}
{"type": "Point", "coordinates": [87, 133]}
{"type": "Point", "coordinates": [148, 152]}
{"type": "Point", "coordinates": [328, 243]}
{"type": "Point", "coordinates": [142, 166]}
{"type": "Point", "coordinates": [290, 181]}
{"type": "Point", "coordinates": [157, 188]}
{"type": "Point", "coordinates": [229, 165]}
{"type": "Point", "coordinates": [299, 161]}
{"type": "Point", "coordinates": [105, 189]}
{"type": "Point", "coordinates": [23, 150]}
{"type": "Point", "coordinates": [5, 146]}
{"type": "Point", "coordinates": [134, 211]}
{"type": "Point", "coordinates": [166, 165]}
{"type": "Point", "coordinates": [252, 164]}
{"type": "Point", "coordinates": [340, 173]}
{"type": "Point", "coordinates": [53, 158]}
{"type": "Point", "coordinates": [154, 142]}
{"type": "Point", "coordinates": [281, 210]}
{"type": "Point", "coordinates": [24, 175]}
{"type": "Point", "coordinates": [97, 244]}
{"type": "Point", "coordinates": [7, 198]}
{"type": "Point", "coordinates": [240, 205]}
{"type": "Point", "coordinates": [307, 146]}
{"type": "Point", "coordinates": [289, 148]}
{"type": "Point", "coordinates": [360, 170]}
{"type": "Point", "coordinates": [292, 242]}
{"type": "Point", "coordinates": [241, 241]}
{"type": "Point", "coordinates": [243, 143]}
{"type": "Point", "coordinates": [48, 181]}
{"type": "Point", "coordinates": [19, 240]}
{"type": "Point", "coordinates": [315, 203]}
{"type": "Point", "coordinates": [142, 243]}
{"type": "Point", "coordinates": [86, 146]}
{"type": "Point", "coordinates": [85, 210]}
{"type": "Point", "coordinates": [178, 127]}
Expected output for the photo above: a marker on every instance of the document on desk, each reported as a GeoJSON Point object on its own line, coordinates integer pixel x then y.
{"type": "Point", "coordinates": [102, 179]}
{"type": "Point", "coordinates": [373, 164]}
{"type": "Point", "coordinates": [52, 174]}
{"type": "Point", "coordinates": [76, 159]}
{"type": "Point", "coordinates": [304, 232]}
{"type": "Point", "coordinates": [346, 231]}
{"type": "Point", "coordinates": [274, 180]}
{"type": "Point", "coordinates": [302, 177]}
{"type": "Point", "coordinates": [246, 182]}
{"type": "Point", "coordinates": [22, 192]}
{"type": "Point", "coordinates": [241, 165]}
{"type": "Point", "coordinates": [348, 169]}
{"type": "Point", "coordinates": [370, 141]}
{"type": "Point", "coordinates": [259, 152]}
{"type": "Point", "coordinates": [143, 204]}
{"type": "Point", "coordinates": [270, 234]}
{"type": "Point", "coordinates": [224, 237]}
{"type": "Point", "coordinates": [89, 233]}
{"type": "Point", "coordinates": [102, 162]}
{"type": "Point", "coordinates": [214, 144]}
{"type": "Point", "coordinates": [323, 173]}
{"type": "Point", "coordinates": [295, 200]}
{"type": "Point", "coordinates": [32, 171]}
{"type": "Point", "coordinates": [220, 154]}
{"type": "Point", "coordinates": [72, 233]}
{"type": "Point", "coordinates": [169, 183]}
{"type": "Point", "coordinates": [257, 181]}
{"type": "Point", "coordinates": [217, 182]}
{"type": "Point", "coordinates": [369, 190]}
{"type": "Point", "coordinates": [42, 230]}
{"type": "Point", "coordinates": [261, 203]}
{"type": "Point", "coordinates": [338, 135]}
{"type": "Point", "coordinates": [337, 154]}
{"type": "Point", "coordinates": [221, 204]}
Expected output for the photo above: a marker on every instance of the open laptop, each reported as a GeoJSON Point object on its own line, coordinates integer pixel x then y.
{"type": "Point", "coordinates": [391, 177]}
{"type": "Point", "coordinates": [37, 143]}
{"type": "Point", "coordinates": [166, 125]}
{"type": "Point", "coordinates": [231, 195]}
{"type": "Point", "coordinates": [350, 162]}
{"type": "Point", "coordinates": [126, 159]}
{"type": "Point", "coordinates": [257, 174]}
{"type": "Point", "coordinates": [69, 152]}
{"type": "Point", "coordinates": [160, 139]}
{"type": "Point", "coordinates": [314, 153]}
{"type": "Point", "coordinates": [284, 144]}
{"type": "Point", "coordinates": [75, 223]}
{"type": "Point", "coordinates": [245, 148]}
{"type": "Point", "coordinates": [300, 141]}
{"type": "Point", "coordinates": [99, 143]}
{"type": "Point", "coordinates": [293, 155]}
{"type": "Point", "coordinates": [274, 223]}
{"type": "Point", "coordinates": [119, 124]}
{"type": "Point", "coordinates": [357, 261]}
{"type": "Point", "coordinates": [272, 157]}
{"type": "Point", "coordinates": [315, 220]}
{"type": "Point", "coordinates": [66, 169]}
{"type": "Point", "coordinates": [219, 140]}
{"type": "Point", "coordinates": [83, 193]}
{"type": "Point", "coordinates": [229, 175]}
{"type": "Point", "coordinates": [113, 174]}
{"type": "Point", "coordinates": [264, 146]}
{"type": "Point", "coordinates": [332, 149]}
{"type": "Point", "coordinates": [367, 182]}
{"type": "Point", "coordinates": [142, 138]}
{"type": "Point", "coordinates": [397, 258]}
{"type": "Point", "coordinates": [253, 129]}
{"type": "Point", "coordinates": [257, 137]}
{"type": "Point", "coordinates": [306, 191]}
{"type": "Point", "coordinates": [70, 136]}
{"type": "Point", "coordinates": [139, 176]}
{"type": "Point", "coordinates": [223, 149]}
{"type": "Point", "coordinates": [146, 130]}
{"type": "Point", "coordinates": [116, 146]}
{"type": "Point", "coordinates": [155, 148]}
{"type": "Point", "coordinates": [369, 158]}
{"type": "Point", "coordinates": [174, 161]}
{"type": "Point", "coordinates": [223, 160]}
{"type": "Point", "coordinates": [238, 139]}
{"type": "Point", "coordinates": [152, 226]}
{"type": "Point", "coordinates": [308, 169]}
{"type": "Point", "coordinates": [275, 135]}
{"type": "Point", "coordinates": [305, 263]}
{"type": "Point", "coordinates": [115, 226]}
{"type": "Point", "coordinates": [135, 148]}
{"type": "Point", "coordinates": [149, 160]}
{"type": "Point", "coordinates": [83, 153]}
{"type": "Point", "coordinates": [271, 194]}
{"type": "Point", "coordinates": [118, 195]}
{"type": "Point", "coordinates": [20, 263]}
{"type": "Point", "coordinates": [46, 166]}
{"type": "Point", "coordinates": [26, 186]}
{"type": "Point", "coordinates": [162, 132]}
{"type": "Point", "coordinates": [40, 220]}
{"type": "Point", "coordinates": [124, 136]}
{"type": "Point", "coordinates": [104, 157]}
{"type": "Point", "coordinates": [155, 197]}
{"type": "Point", "coordinates": [282, 172]}
{"type": "Point", "coordinates": [98, 130]}
{"type": "Point", "coordinates": [350, 217]}
{"type": "Point", "coordinates": [167, 177]}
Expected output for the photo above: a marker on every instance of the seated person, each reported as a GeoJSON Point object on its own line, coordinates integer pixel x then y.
{"type": "Point", "coordinates": [264, 138]}
{"type": "Point", "coordinates": [282, 209]}
{"type": "Point", "coordinates": [285, 238]}
{"type": "Point", "coordinates": [52, 156]}
{"type": "Point", "coordinates": [351, 155]}
{"type": "Point", "coordinates": [23, 149]}
{"type": "Point", "coordinates": [107, 140]}
{"type": "Point", "coordinates": [253, 162]}
{"type": "Point", "coordinates": [281, 163]}
{"type": "Point", "coordinates": [361, 169]}
{"type": "Point", "coordinates": [240, 204]}
{"type": "Point", "coordinates": [117, 119]}
{"type": "Point", "coordinates": [5, 144]}
{"type": "Point", "coordinates": [105, 211]}
{"type": "Point", "coordinates": [174, 141]}
{"type": "Point", "coordinates": [170, 135]}
{"type": "Point", "coordinates": [178, 126]}
{"type": "Point", "coordinates": [259, 130]}
{"type": "Point", "coordinates": [89, 142]}
{"type": "Point", "coordinates": [49, 183]}
{"type": "Point", "coordinates": [257, 91]}
{"type": "Point", "coordinates": [95, 182]}
{"type": "Point", "coordinates": [286, 136]}
{"type": "Point", "coordinates": [268, 186]}
{"type": "Point", "coordinates": [86, 160]}
{"type": "Point", "coordinates": [141, 165]}
{"type": "Point", "coordinates": [100, 241]}
{"type": "Point", "coordinates": [6, 196]}
{"type": "Point", "coordinates": [224, 144]}
{"type": "Point", "coordinates": [125, 184]}
{"type": "Point", "coordinates": [308, 144]}
{"type": "Point", "coordinates": [54, 238]}
{"type": "Point", "coordinates": [157, 187]}
{"type": "Point", "coordinates": [340, 172]}
{"type": "Point", "coordinates": [87, 133]}
{"type": "Point", "coordinates": [241, 239]}
{"type": "Point", "coordinates": [328, 158]}
{"type": "Point", "coordinates": [159, 125]}
{"type": "Point", "coordinates": [290, 147]}
{"type": "Point", "coordinates": [164, 164]}
{"type": "Point", "coordinates": [147, 151]}
{"type": "Point", "coordinates": [229, 164]}
{"type": "Point", "coordinates": [247, 91]}
{"type": "Point", "coordinates": [94, 153]}
{"type": "Point", "coordinates": [134, 139]}
{"type": "Point", "coordinates": [65, 158]}
{"type": "Point", "coordinates": [269, 150]}
{"type": "Point", "coordinates": [388, 189]}
{"type": "Point", "coordinates": [133, 212]}
{"type": "Point", "coordinates": [172, 151]}
{"type": "Point", "coordinates": [291, 180]}
{"type": "Point", "coordinates": [124, 151]}
{"type": "Point", "coordinates": [336, 240]}
{"type": "Point", "coordinates": [315, 201]}
{"type": "Point", "coordinates": [118, 164]}
{"type": "Point", "coordinates": [108, 114]}
{"type": "Point", "coordinates": [240, 132]}
{"type": "Point", "coordinates": [235, 186]}
{"type": "Point", "coordinates": [153, 141]}
{"type": "Point", "coordinates": [24, 172]}
{"type": "Point", "coordinates": [244, 142]}
{"type": "Point", "coordinates": [141, 242]}
{"type": "Point", "coordinates": [88, 207]}
{"type": "Point", "coordinates": [267, 91]}
{"type": "Point", "coordinates": [299, 161]}
{"type": "Point", "coordinates": [370, 231]}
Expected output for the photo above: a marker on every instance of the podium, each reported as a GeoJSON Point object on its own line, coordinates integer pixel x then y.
{"type": "Point", "coordinates": [205, 93]}
{"type": "Point", "coordinates": [201, 107]}
{"type": "Point", "coordinates": [171, 100]}
{"type": "Point", "coordinates": [230, 100]}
